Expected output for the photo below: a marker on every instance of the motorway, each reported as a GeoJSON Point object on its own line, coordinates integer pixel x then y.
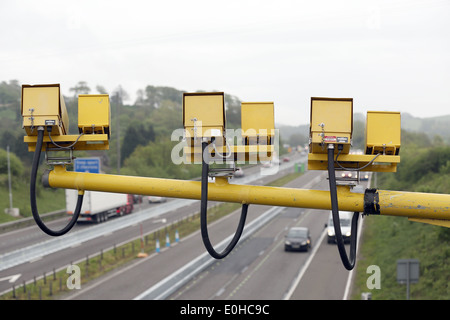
{"type": "Point", "coordinates": [258, 268]}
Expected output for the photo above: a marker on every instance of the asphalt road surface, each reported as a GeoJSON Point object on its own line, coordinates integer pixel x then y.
{"type": "Point", "coordinates": [260, 269]}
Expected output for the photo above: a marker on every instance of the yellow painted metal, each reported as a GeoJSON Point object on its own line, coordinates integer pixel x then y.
{"type": "Point", "coordinates": [383, 132]}
{"type": "Point", "coordinates": [415, 204]}
{"type": "Point", "coordinates": [331, 121]}
{"type": "Point", "coordinates": [94, 115]}
{"type": "Point", "coordinates": [257, 122]}
{"type": "Point", "coordinates": [203, 114]}
{"type": "Point", "coordinates": [84, 142]}
{"type": "Point", "coordinates": [222, 191]}
{"type": "Point", "coordinates": [436, 222]}
{"type": "Point", "coordinates": [394, 203]}
{"type": "Point", "coordinates": [43, 105]}
{"type": "Point", "coordinates": [382, 163]}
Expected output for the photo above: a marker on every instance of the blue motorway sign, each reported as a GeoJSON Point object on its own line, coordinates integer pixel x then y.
{"type": "Point", "coordinates": [91, 165]}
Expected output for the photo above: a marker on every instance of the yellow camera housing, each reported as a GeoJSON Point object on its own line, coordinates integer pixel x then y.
{"type": "Point", "coordinates": [94, 115]}
{"type": "Point", "coordinates": [331, 122]}
{"type": "Point", "coordinates": [257, 123]}
{"type": "Point", "coordinates": [383, 132]}
{"type": "Point", "coordinates": [43, 105]}
{"type": "Point", "coordinates": [203, 115]}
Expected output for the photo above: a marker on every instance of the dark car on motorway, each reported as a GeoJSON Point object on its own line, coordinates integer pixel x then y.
{"type": "Point", "coordinates": [297, 238]}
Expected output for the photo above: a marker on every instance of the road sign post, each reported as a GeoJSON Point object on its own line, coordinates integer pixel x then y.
{"type": "Point", "coordinates": [407, 272]}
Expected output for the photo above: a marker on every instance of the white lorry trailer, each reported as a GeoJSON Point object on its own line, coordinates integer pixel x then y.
{"type": "Point", "coordinates": [99, 206]}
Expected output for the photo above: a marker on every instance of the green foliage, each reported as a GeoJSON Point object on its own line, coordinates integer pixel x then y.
{"type": "Point", "coordinates": [430, 126]}
{"type": "Point", "coordinates": [154, 96]}
{"type": "Point", "coordinates": [14, 139]}
{"type": "Point", "coordinates": [80, 88]}
{"type": "Point", "coordinates": [16, 166]}
{"type": "Point", "coordinates": [153, 160]}
{"type": "Point", "coordinates": [358, 137]}
{"type": "Point", "coordinates": [424, 167]}
{"type": "Point", "coordinates": [9, 92]}
{"type": "Point", "coordinates": [48, 200]}
{"type": "Point", "coordinates": [232, 111]}
{"type": "Point", "coordinates": [137, 134]}
{"type": "Point", "coordinates": [388, 239]}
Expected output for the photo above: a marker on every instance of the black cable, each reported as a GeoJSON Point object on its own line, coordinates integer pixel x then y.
{"type": "Point", "coordinates": [348, 264]}
{"type": "Point", "coordinates": [354, 169]}
{"type": "Point", "coordinates": [34, 210]}
{"type": "Point", "coordinates": [61, 147]}
{"type": "Point", "coordinates": [203, 214]}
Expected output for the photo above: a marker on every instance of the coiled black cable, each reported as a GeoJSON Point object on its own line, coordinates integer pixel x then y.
{"type": "Point", "coordinates": [203, 214]}
{"type": "Point", "coordinates": [349, 264]}
{"type": "Point", "coordinates": [34, 210]}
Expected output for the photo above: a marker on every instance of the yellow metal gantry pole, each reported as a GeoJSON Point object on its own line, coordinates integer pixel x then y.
{"type": "Point", "coordinates": [417, 206]}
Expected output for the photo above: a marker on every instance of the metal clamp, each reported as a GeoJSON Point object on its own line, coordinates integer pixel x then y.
{"type": "Point", "coordinates": [371, 202]}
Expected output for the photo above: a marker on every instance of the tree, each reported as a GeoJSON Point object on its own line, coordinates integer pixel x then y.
{"type": "Point", "coordinates": [137, 134]}
{"type": "Point", "coordinates": [153, 160]}
{"type": "Point", "coordinates": [232, 111]}
{"type": "Point", "coordinates": [9, 92]}
{"type": "Point", "coordinates": [17, 168]}
{"type": "Point", "coordinates": [101, 89]}
{"type": "Point", "coordinates": [10, 96]}
{"type": "Point", "coordinates": [139, 98]}
{"type": "Point", "coordinates": [155, 95]}
{"type": "Point", "coordinates": [15, 141]}
{"type": "Point", "coordinates": [80, 88]}
{"type": "Point", "coordinates": [121, 94]}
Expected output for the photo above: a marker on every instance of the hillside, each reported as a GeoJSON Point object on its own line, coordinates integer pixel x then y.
{"type": "Point", "coordinates": [425, 167]}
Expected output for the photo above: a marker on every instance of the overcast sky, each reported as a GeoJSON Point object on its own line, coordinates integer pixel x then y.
{"type": "Point", "coordinates": [386, 55]}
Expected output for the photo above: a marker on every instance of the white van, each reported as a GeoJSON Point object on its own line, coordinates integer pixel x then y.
{"type": "Point", "coordinates": [345, 218]}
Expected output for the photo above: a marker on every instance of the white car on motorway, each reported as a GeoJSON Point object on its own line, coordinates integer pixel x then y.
{"type": "Point", "coordinates": [155, 199]}
{"type": "Point", "coordinates": [345, 218]}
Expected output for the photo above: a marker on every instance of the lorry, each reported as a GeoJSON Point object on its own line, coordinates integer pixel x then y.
{"type": "Point", "coordinates": [99, 206]}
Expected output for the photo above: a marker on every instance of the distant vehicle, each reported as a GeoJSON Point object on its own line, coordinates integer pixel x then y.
{"type": "Point", "coordinates": [353, 175]}
{"type": "Point", "coordinates": [99, 206]}
{"type": "Point", "coordinates": [345, 218]}
{"type": "Point", "coordinates": [297, 238]}
{"type": "Point", "coordinates": [364, 176]}
{"type": "Point", "coordinates": [155, 199]}
{"type": "Point", "coordinates": [137, 198]}
{"type": "Point", "coordinates": [347, 175]}
{"type": "Point", "coordinates": [239, 172]}
{"type": "Point", "coordinates": [267, 164]}
{"type": "Point", "coordinates": [286, 159]}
